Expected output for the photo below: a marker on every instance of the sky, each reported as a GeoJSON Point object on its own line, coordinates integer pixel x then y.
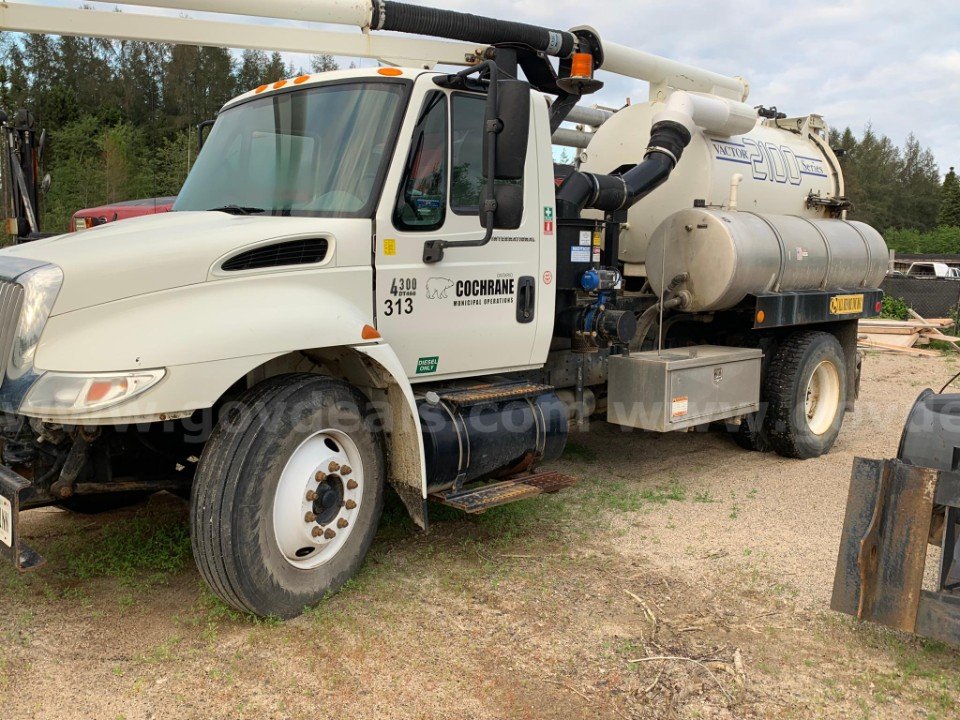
{"type": "Point", "coordinates": [886, 63]}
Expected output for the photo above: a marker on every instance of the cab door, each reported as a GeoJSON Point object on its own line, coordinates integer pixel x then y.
{"type": "Point", "coordinates": [475, 311]}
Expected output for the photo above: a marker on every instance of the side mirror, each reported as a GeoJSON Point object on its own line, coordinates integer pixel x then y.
{"type": "Point", "coordinates": [512, 111]}
{"type": "Point", "coordinates": [509, 212]}
{"type": "Point", "coordinates": [45, 184]}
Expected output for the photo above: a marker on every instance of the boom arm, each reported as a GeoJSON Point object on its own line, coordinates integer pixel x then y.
{"type": "Point", "coordinates": [477, 32]}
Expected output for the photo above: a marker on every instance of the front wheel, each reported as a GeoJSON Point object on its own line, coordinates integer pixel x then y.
{"type": "Point", "coordinates": [288, 494]}
{"type": "Point", "coordinates": [806, 388]}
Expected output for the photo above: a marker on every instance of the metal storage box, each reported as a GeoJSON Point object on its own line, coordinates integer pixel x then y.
{"type": "Point", "coordinates": [683, 387]}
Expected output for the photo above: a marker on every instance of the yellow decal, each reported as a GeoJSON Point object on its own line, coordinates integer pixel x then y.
{"type": "Point", "coordinates": [389, 246]}
{"type": "Point", "coordinates": [846, 304]}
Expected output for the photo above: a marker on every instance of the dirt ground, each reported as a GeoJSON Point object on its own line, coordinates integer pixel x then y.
{"type": "Point", "coordinates": [679, 546]}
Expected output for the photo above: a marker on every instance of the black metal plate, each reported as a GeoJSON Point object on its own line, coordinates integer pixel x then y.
{"type": "Point", "coordinates": [16, 551]}
{"type": "Point", "coordinates": [803, 308]}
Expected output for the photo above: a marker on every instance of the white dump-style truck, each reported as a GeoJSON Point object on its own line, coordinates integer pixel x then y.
{"type": "Point", "coordinates": [371, 279]}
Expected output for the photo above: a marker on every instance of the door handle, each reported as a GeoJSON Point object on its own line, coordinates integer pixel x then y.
{"type": "Point", "coordinates": [526, 299]}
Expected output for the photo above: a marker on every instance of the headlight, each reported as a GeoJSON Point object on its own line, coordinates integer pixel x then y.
{"type": "Point", "coordinates": [65, 394]}
{"type": "Point", "coordinates": [40, 288]}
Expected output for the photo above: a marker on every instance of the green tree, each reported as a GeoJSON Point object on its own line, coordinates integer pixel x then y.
{"type": "Point", "coordinates": [323, 63]}
{"type": "Point", "coordinates": [949, 215]}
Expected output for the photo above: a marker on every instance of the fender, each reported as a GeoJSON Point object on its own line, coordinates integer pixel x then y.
{"type": "Point", "coordinates": [408, 465]}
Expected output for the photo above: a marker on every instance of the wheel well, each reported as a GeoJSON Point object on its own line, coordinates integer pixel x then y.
{"type": "Point", "coordinates": [386, 397]}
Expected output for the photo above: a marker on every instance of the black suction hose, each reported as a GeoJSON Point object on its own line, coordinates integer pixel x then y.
{"type": "Point", "coordinates": [402, 17]}
{"type": "Point", "coordinates": [617, 192]}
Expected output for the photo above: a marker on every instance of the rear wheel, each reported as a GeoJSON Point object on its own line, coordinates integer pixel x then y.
{"type": "Point", "coordinates": [806, 388]}
{"type": "Point", "coordinates": [288, 495]}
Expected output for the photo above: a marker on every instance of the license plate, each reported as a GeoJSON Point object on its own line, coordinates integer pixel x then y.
{"type": "Point", "coordinates": [6, 522]}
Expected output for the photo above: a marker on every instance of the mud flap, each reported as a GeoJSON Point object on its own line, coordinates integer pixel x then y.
{"type": "Point", "coordinates": [883, 549]}
{"type": "Point", "coordinates": [11, 546]}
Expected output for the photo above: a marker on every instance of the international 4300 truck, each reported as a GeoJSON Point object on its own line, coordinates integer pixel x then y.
{"type": "Point", "coordinates": [370, 278]}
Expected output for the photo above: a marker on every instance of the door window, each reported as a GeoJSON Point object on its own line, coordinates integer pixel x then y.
{"type": "Point", "coordinates": [467, 150]}
{"type": "Point", "coordinates": [422, 202]}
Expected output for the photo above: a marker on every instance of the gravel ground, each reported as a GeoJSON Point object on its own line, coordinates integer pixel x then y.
{"type": "Point", "coordinates": [676, 546]}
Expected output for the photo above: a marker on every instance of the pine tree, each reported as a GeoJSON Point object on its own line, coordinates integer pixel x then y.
{"type": "Point", "coordinates": [949, 215]}
{"type": "Point", "coordinates": [323, 63]}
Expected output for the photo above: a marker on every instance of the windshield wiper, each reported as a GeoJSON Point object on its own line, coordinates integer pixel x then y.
{"type": "Point", "coordinates": [238, 210]}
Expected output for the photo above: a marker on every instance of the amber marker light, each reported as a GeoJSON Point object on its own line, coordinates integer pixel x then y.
{"type": "Point", "coordinates": [369, 333]}
{"type": "Point", "coordinates": [390, 72]}
{"type": "Point", "coordinates": [761, 316]}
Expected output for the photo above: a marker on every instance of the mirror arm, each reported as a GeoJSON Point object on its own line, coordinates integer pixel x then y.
{"type": "Point", "coordinates": [433, 249]}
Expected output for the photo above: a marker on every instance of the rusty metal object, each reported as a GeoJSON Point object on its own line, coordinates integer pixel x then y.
{"type": "Point", "coordinates": [884, 543]}
{"type": "Point", "coordinates": [489, 392]}
{"type": "Point", "coordinates": [320, 476]}
{"type": "Point", "coordinates": [346, 470]}
{"type": "Point", "coordinates": [316, 532]}
{"type": "Point", "coordinates": [342, 523]}
{"type": "Point", "coordinates": [329, 534]}
{"type": "Point", "coordinates": [352, 485]}
{"type": "Point", "coordinates": [311, 496]}
{"type": "Point", "coordinates": [350, 505]}
{"type": "Point", "coordinates": [479, 499]}
{"type": "Point", "coordinates": [333, 466]}
{"type": "Point", "coordinates": [309, 517]}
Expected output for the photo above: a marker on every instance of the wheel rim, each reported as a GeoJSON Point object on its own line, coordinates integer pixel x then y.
{"type": "Point", "coordinates": [823, 397]}
{"type": "Point", "coordinates": [318, 499]}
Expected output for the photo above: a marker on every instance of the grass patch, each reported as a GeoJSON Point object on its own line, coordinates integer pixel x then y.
{"type": "Point", "coordinates": [127, 548]}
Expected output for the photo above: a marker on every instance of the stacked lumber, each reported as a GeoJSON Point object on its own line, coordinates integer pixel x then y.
{"type": "Point", "coordinates": [904, 336]}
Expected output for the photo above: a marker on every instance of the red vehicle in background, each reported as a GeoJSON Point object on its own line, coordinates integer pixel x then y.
{"type": "Point", "coordinates": [93, 217]}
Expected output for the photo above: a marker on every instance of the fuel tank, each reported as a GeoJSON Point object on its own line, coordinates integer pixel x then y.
{"type": "Point", "coordinates": [729, 255]}
{"type": "Point", "coordinates": [782, 164]}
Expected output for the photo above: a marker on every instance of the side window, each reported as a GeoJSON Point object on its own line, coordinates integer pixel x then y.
{"type": "Point", "coordinates": [467, 153]}
{"type": "Point", "coordinates": [422, 202]}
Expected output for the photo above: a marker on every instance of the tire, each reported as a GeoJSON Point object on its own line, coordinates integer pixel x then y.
{"type": "Point", "coordinates": [253, 540]}
{"type": "Point", "coordinates": [105, 502]}
{"type": "Point", "coordinates": [806, 390]}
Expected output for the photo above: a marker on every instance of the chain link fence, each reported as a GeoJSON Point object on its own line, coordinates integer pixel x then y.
{"type": "Point", "coordinates": [928, 297]}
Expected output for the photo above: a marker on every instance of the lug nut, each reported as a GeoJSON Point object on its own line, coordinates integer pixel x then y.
{"type": "Point", "coordinates": [320, 477]}
{"type": "Point", "coordinates": [352, 485]}
{"type": "Point", "coordinates": [334, 466]}
{"type": "Point", "coordinates": [346, 470]}
{"type": "Point", "coordinates": [329, 534]}
{"type": "Point", "coordinates": [309, 517]}
{"type": "Point", "coordinates": [342, 523]}
{"type": "Point", "coordinates": [350, 505]}
{"type": "Point", "coordinates": [316, 532]}
{"type": "Point", "coordinates": [311, 496]}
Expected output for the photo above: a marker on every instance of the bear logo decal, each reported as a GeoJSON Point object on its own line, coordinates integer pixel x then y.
{"type": "Point", "coordinates": [437, 288]}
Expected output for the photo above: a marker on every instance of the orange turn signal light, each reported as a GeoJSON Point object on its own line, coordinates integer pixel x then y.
{"type": "Point", "coordinates": [582, 65]}
{"type": "Point", "coordinates": [369, 333]}
{"type": "Point", "coordinates": [761, 316]}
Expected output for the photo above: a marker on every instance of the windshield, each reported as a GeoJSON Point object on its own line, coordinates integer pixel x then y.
{"type": "Point", "coordinates": [318, 151]}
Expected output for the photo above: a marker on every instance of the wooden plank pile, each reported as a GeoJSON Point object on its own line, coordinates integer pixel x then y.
{"type": "Point", "coordinates": [904, 336]}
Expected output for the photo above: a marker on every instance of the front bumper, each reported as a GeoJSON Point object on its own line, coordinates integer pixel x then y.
{"type": "Point", "coordinates": [13, 488]}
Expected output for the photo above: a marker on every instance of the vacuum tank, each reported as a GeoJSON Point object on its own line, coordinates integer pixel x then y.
{"type": "Point", "coordinates": [729, 255]}
{"type": "Point", "coordinates": [780, 164]}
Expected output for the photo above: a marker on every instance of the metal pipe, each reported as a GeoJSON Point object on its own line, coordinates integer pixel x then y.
{"type": "Point", "coordinates": [594, 117]}
{"type": "Point", "coordinates": [572, 138]}
{"type": "Point", "coordinates": [358, 13]}
{"type": "Point", "coordinates": [658, 70]}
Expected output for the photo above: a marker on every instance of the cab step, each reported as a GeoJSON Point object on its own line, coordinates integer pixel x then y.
{"type": "Point", "coordinates": [476, 500]}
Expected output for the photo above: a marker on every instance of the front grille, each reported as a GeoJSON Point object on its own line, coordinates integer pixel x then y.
{"type": "Point", "coordinates": [11, 300]}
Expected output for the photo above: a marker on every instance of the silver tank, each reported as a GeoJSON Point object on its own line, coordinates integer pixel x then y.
{"type": "Point", "coordinates": [729, 255]}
